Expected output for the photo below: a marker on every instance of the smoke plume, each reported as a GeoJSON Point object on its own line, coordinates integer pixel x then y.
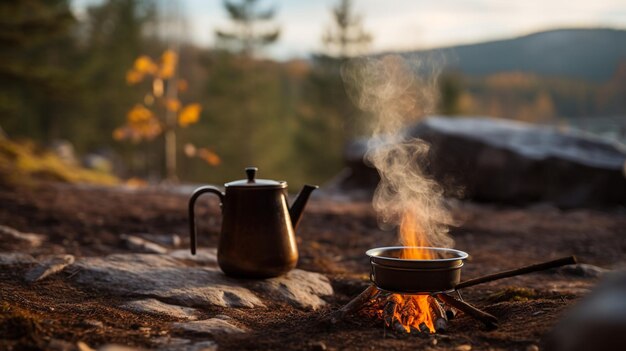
{"type": "Point", "coordinates": [397, 92]}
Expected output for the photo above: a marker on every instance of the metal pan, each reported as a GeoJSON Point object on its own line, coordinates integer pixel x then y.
{"type": "Point", "coordinates": [392, 273]}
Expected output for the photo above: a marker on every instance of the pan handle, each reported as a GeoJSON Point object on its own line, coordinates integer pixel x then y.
{"type": "Point", "coordinates": [523, 270]}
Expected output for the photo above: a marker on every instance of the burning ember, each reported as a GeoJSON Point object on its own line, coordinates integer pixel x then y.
{"type": "Point", "coordinates": [407, 314]}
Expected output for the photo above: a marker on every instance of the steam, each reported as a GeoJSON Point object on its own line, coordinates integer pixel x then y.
{"type": "Point", "coordinates": [397, 92]}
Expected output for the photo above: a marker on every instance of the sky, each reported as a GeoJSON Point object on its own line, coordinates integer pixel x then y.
{"type": "Point", "coordinates": [403, 24]}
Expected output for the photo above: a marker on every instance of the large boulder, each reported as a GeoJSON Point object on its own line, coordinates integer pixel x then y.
{"type": "Point", "coordinates": [496, 160]}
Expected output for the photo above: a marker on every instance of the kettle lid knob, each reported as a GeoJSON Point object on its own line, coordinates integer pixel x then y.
{"type": "Point", "coordinates": [251, 172]}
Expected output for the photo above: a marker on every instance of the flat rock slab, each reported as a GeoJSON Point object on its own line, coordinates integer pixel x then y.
{"type": "Point", "coordinates": [213, 326]}
{"type": "Point", "coordinates": [156, 307]}
{"type": "Point", "coordinates": [172, 280]}
{"type": "Point", "coordinates": [207, 257]}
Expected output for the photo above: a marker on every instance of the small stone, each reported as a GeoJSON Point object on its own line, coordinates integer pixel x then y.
{"type": "Point", "coordinates": [47, 267]}
{"type": "Point", "coordinates": [141, 245]}
{"type": "Point", "coordinates": [318, 346]}
{"type": "Point", "coordinates": [211, 326]}
{"type": "Point", "coordinates": [464, 347]}
{"type": "Point", "coordinates": [156, 307]}
{"type": "Point", "coordinates": [532, 347]}
{"type": "Point", "coordinates": [82, 346]}
{"type": "Point", "coordinates": [173, 240]}
{"type": "Point", "coordinates": [433, 341]}
{"type": "Point", "coordinates": [34, 240]}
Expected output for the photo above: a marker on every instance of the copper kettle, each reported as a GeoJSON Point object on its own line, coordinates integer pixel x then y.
{"type": "Point", "coordinates": [257, 238]}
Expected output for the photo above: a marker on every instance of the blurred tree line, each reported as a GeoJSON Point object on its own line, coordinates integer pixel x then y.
{"type": "Point", "coordinates": [63, 77]}
{"type": "Point", "coordinates": [533, 98]}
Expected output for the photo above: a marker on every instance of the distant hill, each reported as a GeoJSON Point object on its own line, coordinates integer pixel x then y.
{"type": "Point", "coordinates": [590, 54]}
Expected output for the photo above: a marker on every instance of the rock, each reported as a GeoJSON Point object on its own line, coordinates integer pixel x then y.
{"type": "Point", "coordinates": [15, 258]}
{"type": "Point", "coordinates": [213, 326]}
{"type": "Point", "coordinates": [532, 347]}
{"type": "Point", "coordinates": [136, 243]}
{"type": "Point", "coordinates": [173, 240]}
{"type": "Point", "coordinates": [47, 267]}
{"type": "Point", "coordinates": [465, 347]}
{"type": "Point", "coordinates": [170, 279]}
{"type": "Point", "coordinates": [318, 346]}
{"type": "Point", "coordinates": [33, 240]}
{"type": "Point", "coordinates": [582, 270]}
{"type": "Point", "coordinates": [156, 307]}
{"type": "Point", "coordinates": [202, 256]}
{"type": "Point", "coordinates": [82, 346]}
{"type": "Point", "coordinates": [598, 322]}
{"type": "Point", "coordinates": [300, 288]}
{"type": "Point", "coordinates": [504, 161]}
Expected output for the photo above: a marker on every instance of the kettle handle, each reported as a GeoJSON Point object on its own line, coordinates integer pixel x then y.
{"type": "Point", "coordinates": [192, 202]}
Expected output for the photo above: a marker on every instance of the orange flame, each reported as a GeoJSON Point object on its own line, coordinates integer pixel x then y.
{"type": "Point", "coordinates": [414, 310]}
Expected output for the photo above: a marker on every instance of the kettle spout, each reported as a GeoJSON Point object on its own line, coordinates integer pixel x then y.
{"type": "Point", "coordinates": [295, 212]}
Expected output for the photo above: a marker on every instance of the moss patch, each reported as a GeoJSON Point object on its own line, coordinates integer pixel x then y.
{"type": "Point", "coordinates": [513, 294]}
{"type": "Point", "coordinates": [24, 164]}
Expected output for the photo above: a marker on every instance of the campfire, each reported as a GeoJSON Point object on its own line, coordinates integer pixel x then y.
{"type": "Point", "coordinates": [426, 313]}
{"type": "Point", "coordinates": [419, 313]}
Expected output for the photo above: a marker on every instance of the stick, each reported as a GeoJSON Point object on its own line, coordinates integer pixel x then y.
{"type": "Point", "coordinates": [487, 319]}
{"type": "Point", "coordinates": [524, 270]}
{"type": "Point", "coordinates": [389, 310]}
{"type": "Point", "coordinates": [354, 305]}
{"type": "Point", "coordinates": [440, 320]}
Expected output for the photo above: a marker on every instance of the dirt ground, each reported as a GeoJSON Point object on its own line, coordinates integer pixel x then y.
{"type": "Point", "coordinates": [332, 239]}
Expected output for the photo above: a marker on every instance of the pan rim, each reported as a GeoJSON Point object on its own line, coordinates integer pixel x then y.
{"type": "Point", "coordinates": [374, 253]}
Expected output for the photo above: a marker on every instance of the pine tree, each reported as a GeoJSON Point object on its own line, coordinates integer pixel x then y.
{"type": "Point", "coordinates": [245, 35]}
{"type": "Point", "coordinates": [346, 37]}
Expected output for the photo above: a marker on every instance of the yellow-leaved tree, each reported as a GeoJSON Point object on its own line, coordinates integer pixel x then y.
{"type": "Point", "coordinates": [161, 112]}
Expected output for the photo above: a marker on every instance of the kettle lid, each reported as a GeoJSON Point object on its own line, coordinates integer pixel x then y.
{"type": "Point", "coordinates": [253, 182]}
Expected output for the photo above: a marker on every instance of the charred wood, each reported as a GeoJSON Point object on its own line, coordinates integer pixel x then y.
{"type": "Point", "coordinates": [451, 313]}
{"type": "Point", "coordinates": [389, 311]}
{"type": "Point", "coordinates": [441, 325]}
